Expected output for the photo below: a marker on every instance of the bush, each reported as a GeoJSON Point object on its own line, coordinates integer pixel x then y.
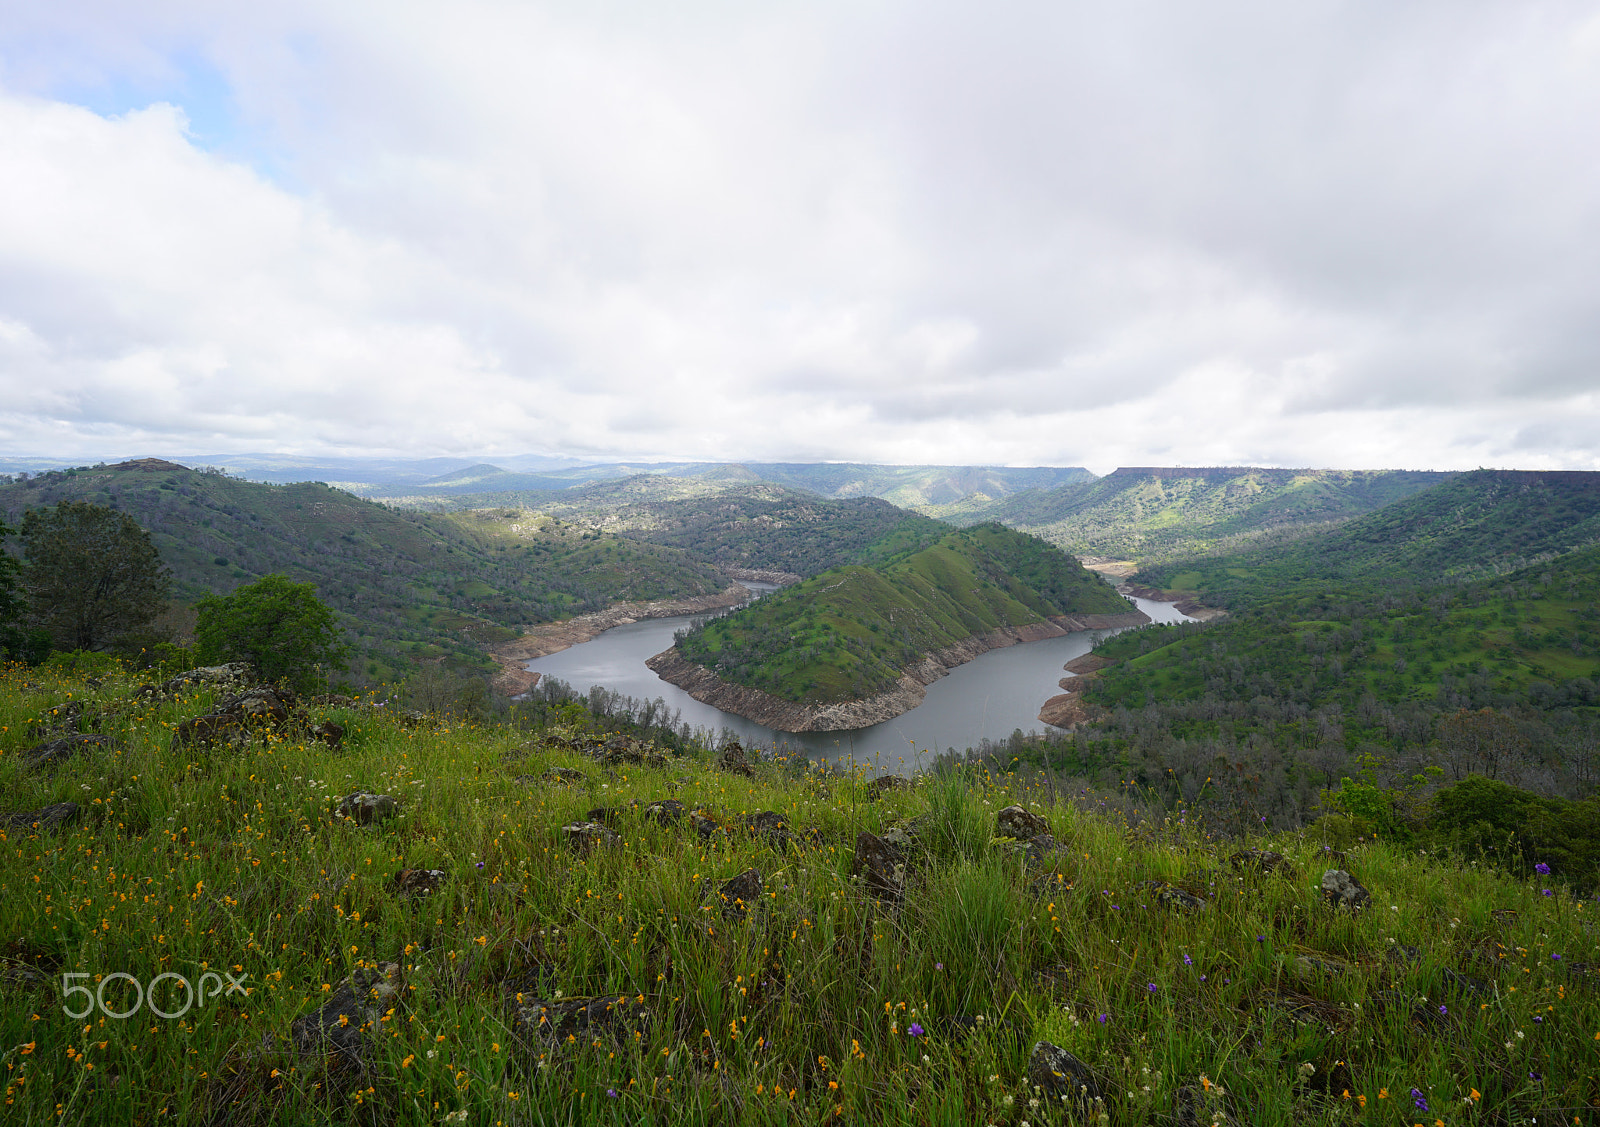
{"type": "Point", "coordinates": [277, 625]}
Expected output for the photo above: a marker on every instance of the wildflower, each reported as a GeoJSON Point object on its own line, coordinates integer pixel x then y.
{"type": "Point", "coordinates": [611, 1092]}
{"type": "Point", "coordinates": [1557, 958]}
{"type": "Point", "coordinates": [480, 864]}
{"type": "Point", "coordinates": [1444, 1011]}
{"type": "Point", "coordinates": [1102, 1020]}
{"type": "Point", "coordinates": [1546, 892]}
{"type": "Point", "coordinates": [1151, 987]}
{"type": "Point", "coordinates": [915, 1030]}
{"type": "Point", "coordinates": [1542, 869]}
{"type": "Point", "coordinates": [1187, 961]}
{"type": "Point", "coordinates": [1419, 1099]}
{"type": "Point", "coordinates": [1261, 939]}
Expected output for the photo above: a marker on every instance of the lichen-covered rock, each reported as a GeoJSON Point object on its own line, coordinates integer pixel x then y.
{"type": "Point", "coordinates": [563, 776]}
{"type": "Point", "coordinates": [418, 882]}
{"type": "Point", "coordinates": [238, 717]}
{"type": "Point", "coordinates": [234, 673]}
{"type": "Point", "coordinates": [1341, 890]}
{"type": "Point", "coordinates": [881, 867]}
{"type": "Point", "coordinates": [665, 812]}
{"type": "Point", "coordinates": [584, 836]}
{"type": "Point", "coordinates": [329, 732]}
{"type": "Point", "coordinates": [738, 894]}
{"type": "Point", "coordinates": [53, 753]}
{"type": "Point", "coordinates": [885, 783]}
{"type": "Point", "coordinates": [579, 1021]}
{"type": "Point", "coordinates": [342, 1027]}
{"type": "Point", "coordinates": [732, 759]}
{"type": "Point", "coordinates": [44, 820]}
{"type": "Point", "coordinates": [1261, 861]}
{"type": "Point", "coordinates": [1024, 825]}
{"type": "Point", "coordinates": [364, 808]}
{"type": "Point", "coordinates": [1057, 1073]}
{"type": "Point", "coordinates": [1171, 896]}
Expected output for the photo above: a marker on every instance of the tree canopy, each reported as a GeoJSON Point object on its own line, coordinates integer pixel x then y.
{"type": "Point", "coordinates": [279, 626]}
{"type": "Point", "coordinates": [90, 573]}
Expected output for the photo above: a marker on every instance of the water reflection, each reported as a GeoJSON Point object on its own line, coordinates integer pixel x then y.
{"type": "Point", "coordinates": [989, 697]}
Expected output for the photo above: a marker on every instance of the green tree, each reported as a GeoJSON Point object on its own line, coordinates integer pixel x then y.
{"type": "Point", "coordinates": [279, 626]}
{"type": "Point", "coordinates": [91, 574]}
{"type": "Point", "coordinates": [18, 641]}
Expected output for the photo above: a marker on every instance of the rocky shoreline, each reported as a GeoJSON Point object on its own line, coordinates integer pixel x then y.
{"type": "Point", "coordinates": [552, 637]}
{"type": "Point", "coordinates": [794, 716]}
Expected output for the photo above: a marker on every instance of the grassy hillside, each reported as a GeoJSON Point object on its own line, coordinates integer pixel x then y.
{"type": "Point", "coordinates": [1475, 523]}
{"type": "Point", "coordinates": [850, 632]}
{"type": "Point", "coordinates": [410, 586]}
{"type": "Point", "coordinates": [1136, 513]}
{"type": "Point", "coordinates": [1194, 982]}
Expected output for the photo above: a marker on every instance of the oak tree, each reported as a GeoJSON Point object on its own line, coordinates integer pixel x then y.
{"type": "Point", "coordinates": [91, 574]}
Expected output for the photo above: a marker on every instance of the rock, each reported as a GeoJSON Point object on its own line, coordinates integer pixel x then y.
{"type": "Point", "coordinates": [1405, 954]}
{"type": "Point", "coordinates": [1341, 890]}
{"type": "Point", "coordinates": [1058, 1073]}
{"type": "Point", "coordinates": [880, 865]}
{"type": "Point", "coordinates": [883, 784]}
{"type": "Point", "coordinates": [704, 822]}
{"type": "Point", "coordinates": [1024, 825]}
{"type": "Point", "coordinates": [626, 749]}
{"type": "Point", "coordinates": [584, 836]}
{"type": "Point", "coordinates": [55, 752]}
{"type": "Point", "coordinates": [364, 808]}
{"type": "Point", "coordinates": [1261, 861]}
{"type": "Point", "coordinates": [44, 820]}
{"type": "Point", "coordinates": [418, 882]}
{"type": "Point", "coordinates": [60, 720]}
{"type": "Point", "coordinates": [580, 1021]}
{"type": "Point", "coordinates": [733, 759]}
{"type": "Point", "coordinates": [1040, 851]}
{"type": "Point", "coordinates": [341, 1028]}
{"type": "Point", "coordinates": [235, 673]}
{"type": "Point", "coordinates": [1310, 966]}
{"type": "Point", "coordinates": [237, 717]}
{"type": "Point", "coordinates": [771, 827]}
{"type": "Point", "coordinates": [563, 776]}
{"type": "Point", "coordinates": [665, 812]}
{"type": "Point", "coordinates": [1171, 896]}
{"type": "Point", "coordinates": [1064, 710]}
{"type": "Point", "coordinates": [738, 893]}
{"type": "Point", "coordinates": [330, 733]}
{"type": "Point", "coordinates": [1462, 984]}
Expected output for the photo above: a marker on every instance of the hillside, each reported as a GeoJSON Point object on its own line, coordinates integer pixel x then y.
{"type": "Point", "coordinates": [926, 489]}
{"type": "Point", "coordinates": [409, 586]}
{"type": "Point", "coordinates": [525, 929]}
{"type": "Point", "coordinates": [1481, 522]}
{"type": "Point", "coordinates": [1138, 513]}
{"type": "Point", "coordinates": [852, 632]}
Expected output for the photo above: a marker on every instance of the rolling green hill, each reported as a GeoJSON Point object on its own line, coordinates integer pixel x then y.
{"type": "Point", "coordinates": [1474, 523]}
{"type": "Point", "coordinates": [1139, 513]}
{"type": "Point", "coordinates": [410, 586]}
{"type": "Point", "coordinates": [850, 632]}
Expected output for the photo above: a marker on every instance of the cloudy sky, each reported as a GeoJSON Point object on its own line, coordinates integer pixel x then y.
{"type": "Point", "coordinates": [1319, 233]}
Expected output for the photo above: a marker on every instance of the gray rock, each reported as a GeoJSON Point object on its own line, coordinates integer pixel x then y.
{"type": "Point", "coordinates": [44, 820]}
{"type": "Point", "coordinates": [584, 836]}
{"type": "Point", "coordinates": [217, 676]}
{"type": "Point", "coordinates": [563, 776]}
{"type": "Point", "coordinates": [364, 808]}
{"type": "Point", "coordinates": [1341, 890]}
{"type": "Point", "coordinates": [1261, 861]}
{"type": "Point", "coordinates": [881, 867]}
{"type": "Point", "coordinates": [1022, 824]}
{"type": "Point", "coordinates": [418, 882]}
{"type": "Point", "coordinates": [665, 812]}
{"type": "Point", "coordinates": [1058, 1074]}
{"type": "Point", "coordinates": [616, 1017]}
{"type": "Point", "coordinates": [739, 893]}
{"type": "Point", "coordinates": [53, 753]}
{"type": "Point", "coordinates": [733, 759]}
{"type": "Point", "coordinates": [342, 1027]}
{"type": "Point", "coordinates": [885, 783]}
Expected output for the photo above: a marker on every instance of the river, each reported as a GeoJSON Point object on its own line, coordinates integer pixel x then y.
{"type": "Point", "coordinates": [989, 697]}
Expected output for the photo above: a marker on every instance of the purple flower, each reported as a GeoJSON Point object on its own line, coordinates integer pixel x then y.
{"type": "Point", "coordinates": [938, 966]}
{"type": "Point", "coordinates": [1419, 1099]}
{"type": "Point", "coordinates": [1444, 1011]}
{"type": "Point", "coordinates": [915, 1030]}
{"type": "Point", "coordinates": [1202, 978]}
{"type": "Point", "coordinates": [612, 1092]}
{"type": "Point", "coordinates": [1546, 891]}
{"type": "Point", "coordinates": [1261, 939]}
{"type": "Point", "coordinates": [480, 864]}
{"type": "Point", "coordinates": [1187, 961]}
{"type": "Point", "coordinates": [1542, 869]}
{"type": "Point", "coordinates": [1151, 987]}
{"type": "Point", "coordinates": [1102, 1018]}
{"type": "Point", "coordinates": [1538, 1021]}
{"type": "Point", "coordinates": [1557, 958]}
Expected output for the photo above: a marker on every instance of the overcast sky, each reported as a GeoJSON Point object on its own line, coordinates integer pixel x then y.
{"type": "Point", "coordinates": [1348, 234]}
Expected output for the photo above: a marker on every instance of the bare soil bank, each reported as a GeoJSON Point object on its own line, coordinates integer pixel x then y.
{"type": "Point", "coordinates": [793, 716]}
{"type": "Point", "coordinates": [552, 637]}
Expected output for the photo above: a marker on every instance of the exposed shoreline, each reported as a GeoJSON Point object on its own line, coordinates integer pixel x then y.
{"type": "Point", "coordinates": [547, 638]}
{"type": "Point", "coordinates": [793, 716]}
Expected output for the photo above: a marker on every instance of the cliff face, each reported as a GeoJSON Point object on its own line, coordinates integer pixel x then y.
{"type": "Point", "coordinates": [793, 716]}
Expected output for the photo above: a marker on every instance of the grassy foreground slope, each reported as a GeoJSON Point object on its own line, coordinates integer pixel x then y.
{"type": "Point", "coordinates": [1476, 523]}
{"type": "Point", "coordinates": [850, 632]}
{"type": "Point", "coordinates": [1146, 512]}
{"type": "Point", "coordinates": [410, 586]}
{"type": "Point", "coordinates": [1459, 995]}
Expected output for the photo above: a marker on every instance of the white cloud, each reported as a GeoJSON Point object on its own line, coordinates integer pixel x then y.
{"type": "Point", "coordinates": [1042, 233]}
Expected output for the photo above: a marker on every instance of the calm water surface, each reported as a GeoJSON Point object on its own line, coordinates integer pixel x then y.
{"type": "Point", "coordinates": [989, 697]}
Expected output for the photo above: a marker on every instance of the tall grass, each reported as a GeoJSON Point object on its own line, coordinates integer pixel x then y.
{"type": "Point", "coordinates": [818, 1004]}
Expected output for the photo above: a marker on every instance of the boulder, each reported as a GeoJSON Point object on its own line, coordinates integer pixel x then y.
{"type": "Point", "coordinates": [238, 717]}
{"type": "Point", "coordinates": [43, 820]}
{"type": "Point", "coordinates": [1058, 1074]}
{"type": "Point", "coordinates": [418, 882]}
{"type": "Point", "coordinates": [738, 893]}
{"type": "Point", "coordinates": [732, 759]}
{"type": "Point", "coordinates": [364, 808]}
{"type": "Point", "coordinates": [1341, 890]}
{"type": "Point", "coordinates": [665, 812]}
{"type": "Point", "coordinates": [1024, 825]}
{"type": "Point", "coordinates": [1171, 896]}
{"type": "Point", "coordinates": [881, 867]}
{"type": "Point", "coordinates": [563, 776]}
{"type": "Point", "coordinates": [234, 673]}
{"type": "Point", "coordinates": [342, 1028]}
{"type": "Point", "coordinates": [579, 1021]}
{"type": "Point", "coordinates": [330, 733]}
{"type": "Point", "coordinates": [584, 836]}
{"type": "Point", "coordinates": [53, 753]}
{"type": "Point", "coordinates": [885, 783]}
{"type": "Point", "coordinates": [1261, 861]}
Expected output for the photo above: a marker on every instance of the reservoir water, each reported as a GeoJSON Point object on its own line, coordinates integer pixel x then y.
{"type": "Point", "coordinates": [989, 697]}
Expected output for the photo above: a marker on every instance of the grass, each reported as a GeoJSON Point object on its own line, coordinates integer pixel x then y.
{"type": "Point", "coordinates": [819, 1005]}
